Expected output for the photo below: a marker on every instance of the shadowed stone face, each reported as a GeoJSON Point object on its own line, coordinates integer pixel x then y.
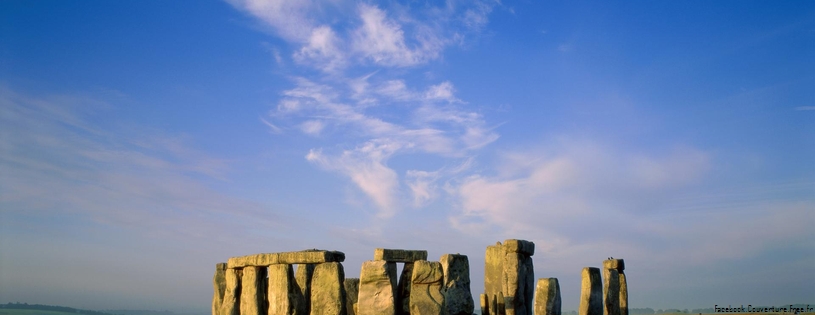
{"type": "Point", "coordinates": [232, 292]}
{"type": "Point", "coordinates": [351, 294]}
{"type": "Point", "coordinates": [403, 290]}
{"type": "Point", "coordinates": [611, 305]}
{"type": "Point", "coordinates": [327, 290]}
{"type": "Point", "coordinates": [399, 255]}
{"type": "Point", "coordinates": [591, 292]}
{"type": "Point", "coordinates": [303, 288]}
{"type": "Point", "coordinates": [253, 300]}
{"type": "Point", "coordinates": [622, 287]}
{"type": "Point", "coordinates": [547, 297]}
{"type": "Point", "coordinates": [456, 289]}
{"type": "Point", "coordinates": [623, 295]}
{"type": "Point", "coordinates": [425, 295]}
{"type": "Point", "coordinates": [377, 288]}
{"type": "Point", "coordinates": [518, 286]}
{"type": "Point", "coordinates": [219, 286]}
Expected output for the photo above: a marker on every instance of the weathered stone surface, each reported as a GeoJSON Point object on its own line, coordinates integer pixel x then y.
{"type": "Point", "coordinates": [253, 301]}
{"type": "Point", "coordinates": [618, 264]}
{"type": "Point", "coordinates": [485, 304]}
{"type": "Point", "coordinates": [591, 292]}
{"type": "Point", "coordinates": [519, 284]}
{"type": "Point", "coordinates": [377, 288]}
{"type": "Point", "coordinates": [281, 293]}
{"type": "Point", "coordinates": [399, 255]}
{"type": "Point", "coordinates": [303, 288]}
{"type": "Point", "coordinates": [623, 294]}
{"type": "Point", "coordinates": [547, 297]}
{"type": "Point", "coordinates": [403, 290]}
{"type": "Point", "coordinates": [519, 246]}
{"type": "Point", "coordinates": [351, 295]}
{"type": "Point", "coordinates": [301, 257]}
{"type": "Point", "coordinates": [327, 290]}
{"type": "Point", "coordinates": [611, 293]}
{"type": "Point", "coordinates": [425, 295]}
{"type": "Point", "coordinates": [493, 275]}
{"type": "Point", "coordinates": [219, 286]}
{"type": "Point", "coordinates": [456, 286]}
{"type": "Point", "coordinates": [232, 292]}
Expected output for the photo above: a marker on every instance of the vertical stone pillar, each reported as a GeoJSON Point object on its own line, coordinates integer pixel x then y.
{"type": "Point", "coordinates": [611, 296]}
{"type": "Point", "coordinates": [281, 293]}
{"type": "Point", "coordinates": [351, 294]}
{"type": "Point", "coordinates": [620, 286]}
{"type": "Point", "coordinates": [219, 286]}
{"type": "Point", "coordinates": [493, 275]}
{"type": "Point", "coordinates": [591, 292]}
{"type": "Point", "coordinates": [519, 277]}
{"type": "Point", "coordinates": [547, 297]}
{"type": "Point", "coordinates": [485, 308]}
{"type": "Point", "coordinates": [232, 292]}
{"type": "Point", "coordinates": [403, 290]}
{"type": "Point", "coordinates": [377, 288]}
{"type": "Point", "coordinates": [328, 290]}
{"type": "Point", "coordinates": [425, 295]}
{"type": "Point", "coordinates": [253, 292]}
{"type": "Point", "coordinates": [303, 288]}
{"type": "Point", "coordinates": [456, 286]}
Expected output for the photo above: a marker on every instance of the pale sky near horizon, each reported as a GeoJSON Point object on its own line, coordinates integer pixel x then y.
{"type": "Point", "coordinates": [142, 142]}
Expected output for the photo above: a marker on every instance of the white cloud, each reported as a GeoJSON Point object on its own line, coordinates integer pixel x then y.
{"type": "Point", "coordinates": [322, 50]}
{"type": "Point", "coordinates": [382, 40]}
{"type": "Point", "coordinates": [312, 127]}
{"type": "Point", "coordinates": [291, 19]}
{"type": "Point", "coordinates": [442, 91]}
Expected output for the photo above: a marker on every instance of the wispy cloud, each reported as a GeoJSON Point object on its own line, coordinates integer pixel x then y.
{"type": "Point", "coordinates": [805, 108]}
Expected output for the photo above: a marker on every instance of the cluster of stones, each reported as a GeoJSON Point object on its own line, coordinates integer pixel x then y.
{"type": "Point", "coordinates": [509, 278]}
{"type": "Point", "coordinates": [423, 288]}
{"type": "Point", "coordinates": [266, 284]}
{"type": "Point", "coordinates": [609, 297]}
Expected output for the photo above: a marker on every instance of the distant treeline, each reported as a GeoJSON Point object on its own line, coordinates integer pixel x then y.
{"type": "Point", "coordinates": [41, 307]}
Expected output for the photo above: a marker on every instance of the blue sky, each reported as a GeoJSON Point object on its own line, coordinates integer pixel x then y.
{"type": "Point", "coordinates": [143, 142]}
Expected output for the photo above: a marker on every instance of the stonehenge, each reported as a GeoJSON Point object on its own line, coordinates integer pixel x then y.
{"type": "Point", "coordinates": [312, 282]}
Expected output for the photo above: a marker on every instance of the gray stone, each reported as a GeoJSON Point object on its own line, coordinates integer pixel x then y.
{"type": "Point", "coordinates": [219, 286]}
{"type": "Point", "coordinates": [303, 288]}
{"type": "Point", "coordinates": [403, 290]}
{"type": "Point", "coordinates": [399, 255]}
{"type": "Point", "coordinates": [253, 300]}
{"type": "Point", "coordinates": [519, 246]}
{"type": "Point", "coordinates": [591, 292]}
{"type": "Point", "coordinates": [611, 293]}
{"type": "Point", "coordinates": [456, 288]}
{"type": "Point", "coordinates": [519, 284]}
{"type": "Point", "coordinates": [377, 288]}
{"type": "Point", "coordinates": [547, 297]}
{"type": "Point", "coordinates": [425, 295]}
{"type": "Point", "coordinates": [301, 257]}
{"type": "Point", "coordinates": [281, 293]}
{"type": "Point", "coordinates": [232, 292]}
{"type": "Point", "coordinates": [623, 294]}
{"type": "Point", "coordinates": [618, 264]}
{"type": "Point", "coordinates": [351, 295]}
{"type": "Point", "coordinates": [328, 290]}
{"type": "Point", "coordinates": [493, 275]}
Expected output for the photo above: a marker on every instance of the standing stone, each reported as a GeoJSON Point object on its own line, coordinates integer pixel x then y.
{"type": "Point", "coordinates": [219, 286]}
{"type": "Point", "coordinates": [377, 288]}
{"type": "Point", "coordinates": [303, 288]}
{"type": "Point", "coordinates": [518, 286]}
{"type": "Point", "coordinates": [281, 292]}
{"type": "Point", "coordinates": [611, 295]}
{"type": "Point", "coordinates": [493, 275]}
{"type": "Point", "coordinates": [351, 294]}
{"type": "Point", "coordinates": [591, 292]}
{"type": "Point", "coordinates": [403, 290]}
{"type": "Point", "coordinates": [623, 294]}
{"type": "Point", "coordinates": [456, 288]}
{"type": "Point", "coordinates": [547, 297]}
{"type": "Point", "coordinates": [485, 308]}
{"type": "Point", "coordinates": [253, 300]}
{"type": "Point", "coordinates": [425, 295]}
{"type": "Point", "coordinates": [232, 292]}
{"type": "Point", "coordinates": [328, 290]}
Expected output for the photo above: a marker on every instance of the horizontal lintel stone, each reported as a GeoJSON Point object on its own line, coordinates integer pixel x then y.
{"type": "Point", "coordinates": [519, 246]}
{"type": "Point", "coordinates": [302, 257]}
{"type": "Point", "coordinates": [399, 255]}
{"type": "Point", "coordinates": [617, 264]}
